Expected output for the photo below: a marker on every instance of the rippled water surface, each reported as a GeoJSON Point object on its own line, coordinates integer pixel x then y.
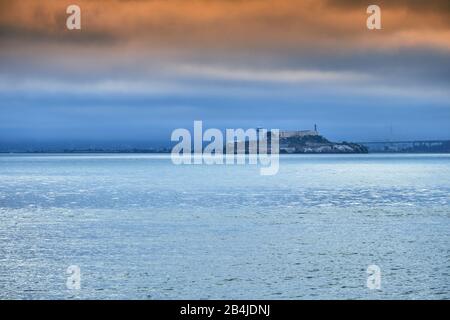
{"type": "Point", "coordinates": [140, 227]}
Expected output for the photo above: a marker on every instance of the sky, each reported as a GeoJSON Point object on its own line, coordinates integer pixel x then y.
{"type": "Point", "coordinates": [139, 69]}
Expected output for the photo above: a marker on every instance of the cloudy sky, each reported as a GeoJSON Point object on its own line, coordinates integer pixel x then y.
{"type": "Point", "coordinates": [139, 69]}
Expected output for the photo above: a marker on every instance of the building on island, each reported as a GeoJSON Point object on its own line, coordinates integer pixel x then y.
{"type": "Point", "coordinates": [300, 134]}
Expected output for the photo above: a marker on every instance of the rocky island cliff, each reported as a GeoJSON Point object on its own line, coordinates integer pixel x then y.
{"type": "Point", "coordinates": [298, 142]}
{"type": "Point", "coordinates": [317, 144]}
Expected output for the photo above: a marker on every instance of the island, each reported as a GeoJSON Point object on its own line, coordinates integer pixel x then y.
{"type": "Point", "coordinates": [298, 142]}
{"type": "Point", "coordinates": [310, 141]}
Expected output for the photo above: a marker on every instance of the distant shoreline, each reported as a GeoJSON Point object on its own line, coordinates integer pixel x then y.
{"type": "Point", "coordinates": [153, 152]}
{"type": "Point", "coordinates": [387, 147]}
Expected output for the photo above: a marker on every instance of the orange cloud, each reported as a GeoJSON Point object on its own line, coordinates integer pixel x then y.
{"type": "Point", "coordinates": [227, 24]}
